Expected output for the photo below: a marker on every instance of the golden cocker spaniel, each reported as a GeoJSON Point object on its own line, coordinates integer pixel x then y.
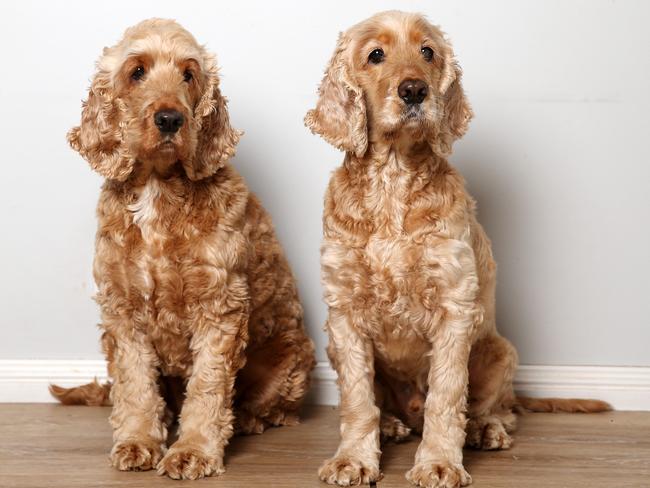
{"type": "Point", "coordinates": [199, 308]}
{"type": "Point", "coordinates": [408, 271]}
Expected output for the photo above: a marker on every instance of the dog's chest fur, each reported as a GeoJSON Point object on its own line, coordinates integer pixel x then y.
{"type": "Point", "coordinates": [145, 211]}
{"type": "Point", "coordinates": [159, 276]}
{"type": "Point", "coordinates": [417, 225]}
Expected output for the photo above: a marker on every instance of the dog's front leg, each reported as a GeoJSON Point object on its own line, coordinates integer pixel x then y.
{"type": "Point", "coordinates": [357, 459]}
{"type": "Point", "coordinates": [439, 458]}
{"type": "Point", "coordinates": [206, 420]}
{"type": "Point", "coordinates": [139, 434]}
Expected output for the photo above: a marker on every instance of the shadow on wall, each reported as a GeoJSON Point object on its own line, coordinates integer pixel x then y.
{"type": "Point", "coordinates": [493, 176]}
{"type": "Point", "coordinates": [289, 176]}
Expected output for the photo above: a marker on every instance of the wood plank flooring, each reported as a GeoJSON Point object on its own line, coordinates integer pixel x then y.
{"type": "Point", "coordinates": [43, 445]}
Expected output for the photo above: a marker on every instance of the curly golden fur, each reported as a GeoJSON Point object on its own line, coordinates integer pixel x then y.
{"type": "Point", "coordinates": [199, 307]}
{"type": "Point", "coordinates": [408, 271]}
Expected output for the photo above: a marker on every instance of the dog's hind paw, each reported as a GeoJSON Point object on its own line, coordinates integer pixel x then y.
{"type": "Point", "coordinates": [393, 428]}
{"type": "Point", "coordinates": [488, 435]}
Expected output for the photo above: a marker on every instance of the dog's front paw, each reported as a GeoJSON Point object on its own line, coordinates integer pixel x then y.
{"type": "Point", "coordinates": [438, 475]}
{"type": "Point", "coordinates": [187, 462]}
{"type": "Point", "coordinates": [347, 470]}
{"type": "Point", "coordinates": [136, 455]}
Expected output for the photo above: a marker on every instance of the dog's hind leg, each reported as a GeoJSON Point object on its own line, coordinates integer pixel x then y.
{"type": "Point", "coordinates": [274, 382]}
{"type": "Point", "coordinates": [492, 366]}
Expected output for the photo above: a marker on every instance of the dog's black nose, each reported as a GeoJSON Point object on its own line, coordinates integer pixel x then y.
{"type": "Point", "coordinates": [412, 91]}
{"type": "Point", "coordinates": [168, 121]}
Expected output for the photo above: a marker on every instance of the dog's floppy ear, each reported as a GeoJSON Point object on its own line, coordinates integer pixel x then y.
{"type": "Point", "coordinates": [216, 139]}
{"type": "Point", "coordinates": [100, 137]}
{"type": "Point", "coordinates": [340, 113]}
{"type": "Point", "coordinates": [455, 111]}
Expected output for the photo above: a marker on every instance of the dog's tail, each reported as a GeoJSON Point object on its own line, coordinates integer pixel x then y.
{"type": "Point", "coordinates": [568, 405]}
{"type": "Point", "coordinates": [92, 394]}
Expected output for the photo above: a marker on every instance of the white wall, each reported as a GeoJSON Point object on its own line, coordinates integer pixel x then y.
{"type": "Point", "coordinates": [557, 157]}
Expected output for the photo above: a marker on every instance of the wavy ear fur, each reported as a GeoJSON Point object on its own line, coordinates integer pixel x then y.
{"type": "Point", "coordinates": [453, 106]}
{"type": "Point", "coordinates": [216, 139]}
{"type": "Point", "coordinates": [99, 138]}
{"type": "Point", "coordinates": [340, 113]}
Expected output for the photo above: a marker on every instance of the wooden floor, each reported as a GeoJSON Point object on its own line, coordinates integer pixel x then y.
{"type": "Point", "coordinates": [55, 446]}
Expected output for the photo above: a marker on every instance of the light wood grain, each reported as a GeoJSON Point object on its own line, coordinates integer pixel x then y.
{"type": "Point", "coordinates": [67, 447]}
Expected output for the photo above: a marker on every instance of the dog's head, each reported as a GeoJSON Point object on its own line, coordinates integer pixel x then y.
{"type": "Point", "coordinates": [391, 77]}
{"type": "Point", "coordinates": [155, 101]}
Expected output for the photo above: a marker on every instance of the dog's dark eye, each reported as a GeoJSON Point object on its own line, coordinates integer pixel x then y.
{"type": "Point", "coordinates": [187, 75]}
{"type": "Point", "coordinates": [138, 73]}
{"type": "Point", "coordinates": [376, 57]}
{"type": "Point", "coordinates": [427, 53]}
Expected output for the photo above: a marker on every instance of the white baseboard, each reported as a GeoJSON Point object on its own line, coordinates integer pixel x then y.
{"type": "Point", "coordinates": [26, 380]}
{"type": "Point", "coordinates": [626, 388]}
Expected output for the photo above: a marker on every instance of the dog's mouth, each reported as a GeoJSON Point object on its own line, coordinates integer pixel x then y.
{"type": "Point", "coordinates": [412, 112]}
{"type": "Point", "coordinates": [412, 117]}
{"type": "Point", "coordinates": [166, 145]}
